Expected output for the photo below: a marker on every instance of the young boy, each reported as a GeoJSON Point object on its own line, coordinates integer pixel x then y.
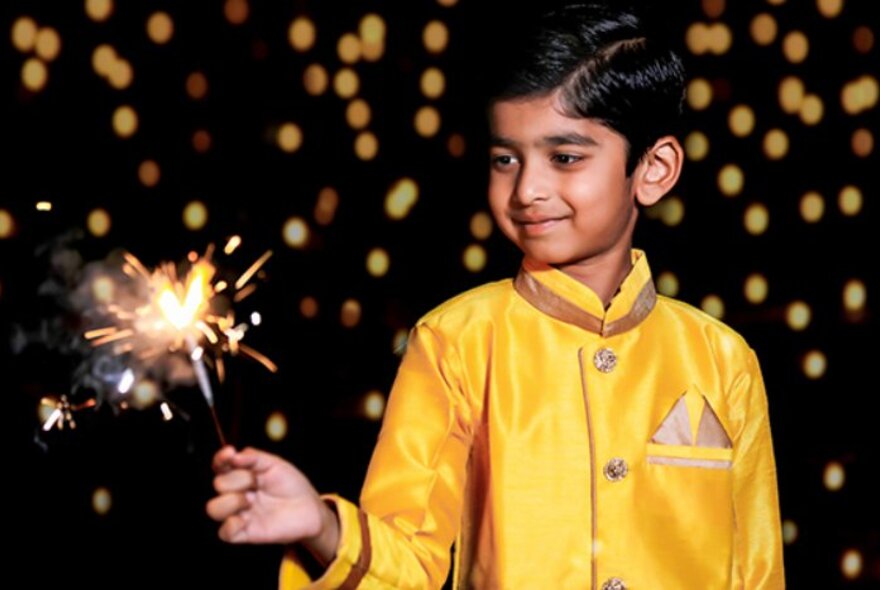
{"type": "Point", "coordinates": [568, 428]}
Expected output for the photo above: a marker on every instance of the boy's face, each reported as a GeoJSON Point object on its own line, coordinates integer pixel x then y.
{"type": "Point", "coordinates": [557, 185]}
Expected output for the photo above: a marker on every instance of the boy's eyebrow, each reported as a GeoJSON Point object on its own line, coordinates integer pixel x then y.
{"type": "Point", "coordinates": [550, 140]}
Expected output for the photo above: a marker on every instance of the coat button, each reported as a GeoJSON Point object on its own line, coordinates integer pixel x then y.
{"type": "Point", "coordinates": [605, 360]}
{"type": "Point", "coordinates": [616, 469]}
{"type": "Point", "coordinates": [613, 584]}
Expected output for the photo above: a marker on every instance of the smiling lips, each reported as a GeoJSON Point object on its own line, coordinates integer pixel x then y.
{"type": "Point", "coordinates": [537, 225]}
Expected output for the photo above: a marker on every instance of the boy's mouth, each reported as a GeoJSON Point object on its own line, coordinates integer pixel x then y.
{"type": "Point", "coordinates": [534, 226]}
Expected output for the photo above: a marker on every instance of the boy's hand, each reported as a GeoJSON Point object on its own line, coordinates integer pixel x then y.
{"type": "Point", "coordinates": [261, 498]}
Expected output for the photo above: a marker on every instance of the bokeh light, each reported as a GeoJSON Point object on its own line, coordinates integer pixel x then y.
{"type": "Point", "coordinates": [276, 426]}
{"type": "Point", "coordinates": [296, 232]}
{"type": "Point", "coordinates": [195, 215]}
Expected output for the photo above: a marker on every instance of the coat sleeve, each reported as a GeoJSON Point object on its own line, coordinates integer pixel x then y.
{"type": "Point", "coordinates": [758, 535]}
{"type": "Point", "coordinates": [411, 501]}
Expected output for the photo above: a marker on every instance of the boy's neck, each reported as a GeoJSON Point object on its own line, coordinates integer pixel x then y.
{"type": "Point", "coordinates": [603, 274]}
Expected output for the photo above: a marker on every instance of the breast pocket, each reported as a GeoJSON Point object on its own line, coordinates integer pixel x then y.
{"type": "Point", "coordinates": [689, 456]}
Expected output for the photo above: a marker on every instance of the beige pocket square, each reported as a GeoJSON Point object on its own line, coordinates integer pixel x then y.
{"type": "Point", "coordinates": [692, 422]}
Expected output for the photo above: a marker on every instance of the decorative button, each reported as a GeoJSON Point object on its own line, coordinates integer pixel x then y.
{"type": "Point", "coordinates": [605, 360]}
{"type": "Point", "coordinates": [613, 584]}
{"type": "Point", "coordinates": [616, 469]}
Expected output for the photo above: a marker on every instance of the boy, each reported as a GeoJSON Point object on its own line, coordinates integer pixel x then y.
{"type": "Point", "coordinates": [569, 428]}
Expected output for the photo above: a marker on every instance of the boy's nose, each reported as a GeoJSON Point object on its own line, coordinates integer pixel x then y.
{"type": "Point", "coordinates": [531, 186]}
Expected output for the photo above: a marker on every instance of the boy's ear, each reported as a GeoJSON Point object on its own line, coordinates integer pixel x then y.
{"type": "Point", "coordinates": [658, 171]}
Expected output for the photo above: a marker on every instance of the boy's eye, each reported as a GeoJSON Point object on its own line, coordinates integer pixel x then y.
{"type": "Point", "coordinates": [502, 160]}
{"type": "Point", "coordinates": [566, 158]}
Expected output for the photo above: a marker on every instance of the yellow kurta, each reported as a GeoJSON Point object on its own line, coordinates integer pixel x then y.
{"type": "Point", "coordinates": [561, 445]}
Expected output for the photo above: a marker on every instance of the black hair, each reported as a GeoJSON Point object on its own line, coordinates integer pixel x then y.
{"type": "Point", "coordinates": [607, 65]}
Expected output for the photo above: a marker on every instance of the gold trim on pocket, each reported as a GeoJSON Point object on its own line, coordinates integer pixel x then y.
{"type": "Point", "coordinates": [690, 456]}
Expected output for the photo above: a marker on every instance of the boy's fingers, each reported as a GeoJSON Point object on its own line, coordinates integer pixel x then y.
{"type": "Point", "coordinates": [251, 458]}
{"type": "Point", "coordinates": [237, 480]}
{"type": "Point", "coordinates": [234, 530]}
{"type": "Point", "coordinates": [226, 506]}
{"type": "Point", "coordinates": [222, 459]}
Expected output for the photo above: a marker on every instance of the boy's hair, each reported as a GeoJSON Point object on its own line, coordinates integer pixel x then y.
{"type": "Point", "coordinates": [607, 67]}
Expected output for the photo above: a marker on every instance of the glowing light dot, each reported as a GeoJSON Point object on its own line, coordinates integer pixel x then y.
{"type": "Point", "coordinates": [854, 295]}
{"type": "Point", "coordinates": [349, 48]}
{"type": "Point", "coordinates": [236, 11]}
{"type": "Point", "coordinates": [863, 39]}
{"type": "Point", "coordinates": [850, 200]}
{"type": "Point", "coordinates": [834, 476]}
{"type": "Point", "coordinates": [195, 215]}
{"type": "Point", "coordinates": [44, 206]}
{"type": "Point", "coordinates": [474, 258]}
{"type": "Point", "coordinates": [741, 120]}
{"type": "Point", "coordinates": [149, 173]}
{"type": "Point", "coordinates": [101, 501]}
{"type": "Point", "coordinates": [672, 211]}
{"type": "Point", "coordinates": [48, 43]}
{"type": "Point", "coordinates": [696, 145]}
{"type": "Point", "coordinates": [481, 225]}
{"type": "Point", "coordinates": [7, 224]}
{"type": "Point", "coordinates": [775, 144]}
{"type": "Point", "coordinates": [125, 121]}
{"type": "Point", "coordinates": [789, 532]}
{"type": "Point", "coordinates": [798, 315]}
{"type": "Point", "coordinates": [862, 143]}
{"type": "Point", "coordinates": [276, 426]}
{"type": "Point", "coordinates": [232, 245]}
{"type": "Point", "coordinates": [398, 344]}
{"type": "Point", "coordinates": [197, 85]}
{"type": "Point", "coordinates": [697, 38]}
{"type": "Point", "coordinates": [160, 27]}
{"type": "Point", "coordinates": [374, 405]}
{"type": "Point", "coordinates": [791, 94]}
{"type": "Point", "coordinates": [34, 74]}
{"type": "Point", "coordinates": [289, 137]}
{"type": "Point", "coordinates": [316, 79]}
{"type": "Point", "coordinates": [346, 83]}
{"type": "Point", "coordinates": [433, 83]}
{"type": "Point", "coordinates": [144, 394]}
{"type": "Point", "coordinates": [435, 36]}
{"type": "Point", "coordinates": [350, 315]}
{"type": "Point", "coordinates": [308, 307]}
{"type": "Point", "coordinates": [372, 29]}
{"type": "Point", "coordinates": [358, 114]}
{"type": "Point", "coordinates": [99, 10]}
{"type": "Point", "coordinates": [731, 180]}
{"type": "Point", "coordinates": [713, 305]}
{"type": "Point", "coordinates": [301, 34]}
{"type": "Point", "coordinates": [120, 74]}
{"type": "Point", "coordinates": [812, 109]}
{"type": "Point", "coordinates": [103, 59]}
{"type": "Point", "coordinates": [763, 29]}
{"type": "Point", "coordinates": [830, 8]}
{"type": "Point", "coordinates": [812, 207]}
{"type": "Point", "coordinates": [401, 198]}
{"type": "Point", "coordinates": [103, 289]}
{"type": "Point", "coordinates": [851, 564]}
{"type": "Point", "coordinates": [756, 219]}
{"type": "Point", "coordinates": [795, 47]}
{"type": "Point", "coordinates": [427, 121]}
{"type": "Point", "coordinates": [456, 145]}
{"type": "Point", "coordinates": [378, 262]}
{"type": "Point", "coordinates": [296, 232]}
{"type": "Point", "coordinates": [366, 145]}
{"type": "Point", "coordinates": [860, 94]}
{"type": "Point", "coordinates": [755, 288]}
{"type": "Point", "coordinates": [719, 38]}
{"type": "Point", "coordinates": [98, 223]}
{"type": "Point", "coordinates": [24, 34]}
{"type": "Point", "coordinates": [699, 94]}
{"type": "Point", "coordinates": [201, 141]}
{"type": "Point", "coordinates": [667, 284]}
{"type": "Point", "coordinates": [325, 208]}
{"type": "Point", "coordinates": [814, 364]}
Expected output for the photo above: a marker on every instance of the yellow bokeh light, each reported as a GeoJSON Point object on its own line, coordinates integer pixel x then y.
{"type": "Point", "coordinates": [197, 85]}
{"type": "Point", "coordinates": [829, 8]}
{"type": "Point", "coordinates": [863, 39]}
{"type": "Point", "coordinates": [667, 284]}
{"type": "Point", "coordinates": [350, 314]}
{"type": "Point", "coordinates": [99, 10]}
{"type": "Point", "coordinates": [697, 38]}
{"type": "Point", "coordinates": [289, 137]}
{"type": "Point", "coordinates": [44, 206]}
{"type": "Point", "coordinates": [814, 364]}
{"type": "Point", "coordinates": [144, 394]}
{"type": "Point", "coordinates": [276, 426]}
{"type": "Point", "coordinates": [349, 48]}
{"type": "Point", "coordinates": [812, 207]}
{"type": "Point", "coordinates": [435, 36]}
{"type": "Point", "coordinates": [301, 33]}
{"type": "Point", "coordinates": [24, 34]}
{"type": "Point", "coordinates": [755, 288]}
{"type": "Point", "coordinates": [862, 142]}
{"type": "Point", "coordinates": [372, 51]}
{"type": "Point", "coordinates": [149, 173]}
{"type": "Point", "coordinates": [789, 531]}
{"type": "Point", "coordinates": [427, 121]}
{"type": "Point", "coordinates": [101, 501]}
{"type": "Point", "coordinates": [236, 11]}
{"type": "Point", "coordinates": [720, 38]}
{"type": "Point", "coordinates": [713, 8]}
{"type": "Point", "coordinates": [812, 109]}
{"type": "Point", "coordinates": [456, 145]}
{"type": "Point", "coordinates": [741, 120]}
{"type": "Point", "coordinates": [366, 145]}
{"type": "Point", "coordinates": [48, 44]}
{"type": "Point", "coordinates": [7, 224]}
{"type": "Point", "coordinates": [854, 295]}
{"type": "Point", "coordinates": [850, 200]}
{"type": "Point", "coordinates": [378, 262]}
{"type": "Point", "coordinates": [776, 144]}
{"type": "Point", "coordinates": [120, 75]}
{"type": "Point", "coordinates": [791, 94]}
{"type": "Point", "coordinates": [372, 29]}
{"type": "Point", "coordinates": [401, 198]}
{"type": "Point", "coordinates": [358, 114]}
{"type": "Point", "coordinates": [325, 208]}
{"type": "Point", "coordinates": [798, 315]}
{"type": "Point", "coordinates": [696, 145]}
{"type": "Point", "coordinates": [474, 258]}
{"type": "Point", "coordinates": [860, 94]}
{"type": "Point", "coordinates": [433, 83]}
{"type": "Point", "coordinates": [795, 47]}
{"type": "Point", "coordinates": [34, 74]}
{"type": "Point", "coordinates": [763, 29]}
{"type": "Point", "coordinates": [160, 27]}
{"type": "Point", "coordinates": [195, 215]}
{"type": "Point", "coordinates": [346, 83]}
{"type": "Point", "coordinates": [756, 219]}
{"type": "Point", "coordinates": [103, 59]}
{"type": "Point", "coordinates": [731, 180]}
{"type": "Point", "coordinates": [316, 79]}
{"type": "Point", "coordinates": [851, 564]}
{"type": "Point", "coordinates": [103, 289]}
{"type": "Point", "coordinates": [201, 141]}
{"type": "Point", "coordinates": [713, 305]}
{"type": "Point", "coordinates": [672, 211]}
{"type": "Point", "coordinates": [834, 476]}
{"type": "Point", "coordinates": [125, 121]}
{"type": "Point", "coordinates": [374, 405]}
{"type": "Point", "coordinates": [481, 225]}
{"type": "Point", "coordinates": [699, 94]}
{"type": "Point", "coordinates": [296, 232]}
{"type": "Point", "coordinates": [308, 307]}
{"type": "Point", "coordinates": [98, 222]}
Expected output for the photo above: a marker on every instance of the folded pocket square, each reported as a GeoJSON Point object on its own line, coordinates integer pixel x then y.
{"type": "Point", "coordinates": [692, 422]}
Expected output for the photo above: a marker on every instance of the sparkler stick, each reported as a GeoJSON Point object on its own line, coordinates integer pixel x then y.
{"type": "Point", "coordinates": [196, 355]}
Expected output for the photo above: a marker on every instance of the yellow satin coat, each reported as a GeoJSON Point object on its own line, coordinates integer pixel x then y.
{"type": "Point", "coordinates": [499, 428]}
